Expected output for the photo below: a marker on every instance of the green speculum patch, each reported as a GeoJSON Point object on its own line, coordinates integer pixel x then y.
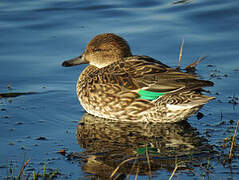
{"type": "Point", "coordinates": [149, 95]}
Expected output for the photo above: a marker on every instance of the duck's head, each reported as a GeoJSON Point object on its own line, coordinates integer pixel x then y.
{"type": "Point", "coordinates": [101, 51]}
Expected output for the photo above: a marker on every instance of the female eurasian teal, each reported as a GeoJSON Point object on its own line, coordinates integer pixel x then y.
{"type": "Point", "coordinates": [117, 85]}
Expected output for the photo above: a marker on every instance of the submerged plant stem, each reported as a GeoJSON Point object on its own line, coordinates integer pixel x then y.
{"type": "Point", "coordinates": [117, 168]}
{"type": "Point", "coordinates": [175, 169]}
{"type": "Point", "coordinates": [233, 144]}
{"type": "Point", "coordinates": [147, 156]}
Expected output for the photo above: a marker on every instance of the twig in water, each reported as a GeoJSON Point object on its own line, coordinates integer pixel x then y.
{"type": "Point", "coordinates": [133, 166]}
{"type": "Point", "coordinates": [147, 156]}
{"type": "Point", "coordinates": [137, 173]}
{"type": "Point", "coordinates": [180, 54]}
{"type": "Point", "coordinates": [117, 168]}
{"type": "Point", "coordinates": [22, 169]}
{"type": "Point", "coordinates": [175, 169]}
{"type": "Point", "coordinates": [233, 144]}
{"type": "Point", "coordinates": [193, 65]}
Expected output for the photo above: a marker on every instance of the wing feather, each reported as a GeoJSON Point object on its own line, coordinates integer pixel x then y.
{"type": "Point", "coordinates": [142, 72]}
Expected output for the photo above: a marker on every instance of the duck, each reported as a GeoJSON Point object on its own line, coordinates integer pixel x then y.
{"type": "Point", "coordinates": [118, 85]}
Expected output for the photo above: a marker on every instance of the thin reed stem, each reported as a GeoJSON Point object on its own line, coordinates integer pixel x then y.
{"type": "Point", "coordinates": [233, 144]}
{"type": "Point", "coordinates": [180, 54]}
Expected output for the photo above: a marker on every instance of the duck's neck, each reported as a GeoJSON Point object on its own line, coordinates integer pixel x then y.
{"type": "Point", "coordinates": [88, 70]}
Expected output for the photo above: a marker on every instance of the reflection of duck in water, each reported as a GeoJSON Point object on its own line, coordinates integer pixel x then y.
{"type": "Point", "coordinates": [108, 143]}
{"type": "Point", "coordinates": [118, 85]}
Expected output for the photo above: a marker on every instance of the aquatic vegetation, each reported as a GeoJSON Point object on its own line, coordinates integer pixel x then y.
{"type": "Point", "coordinates": [43, 173]}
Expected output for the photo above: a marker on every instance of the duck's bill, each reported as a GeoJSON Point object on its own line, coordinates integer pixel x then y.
{"type": "Point", "coordinates": [75, 61]}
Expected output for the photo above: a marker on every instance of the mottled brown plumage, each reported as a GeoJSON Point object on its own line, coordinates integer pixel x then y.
{"type": "Point", "coordinates": [109, 86]}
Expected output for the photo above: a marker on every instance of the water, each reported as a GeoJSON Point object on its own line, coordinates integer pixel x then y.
{"type": "Point", "coordinates": [36, 36]}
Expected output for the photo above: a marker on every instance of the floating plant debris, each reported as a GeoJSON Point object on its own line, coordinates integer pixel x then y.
{"type": "Point", "coordinates": [41, 138]}
{"type": "Point", "coordinates": [15, 94]}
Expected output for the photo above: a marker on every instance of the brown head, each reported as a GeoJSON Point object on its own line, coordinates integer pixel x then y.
{"type": "Point", "coordinates": [101, 51]}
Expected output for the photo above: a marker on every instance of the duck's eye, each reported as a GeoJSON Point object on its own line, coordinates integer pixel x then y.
{"type": "Point", "coordinates": [96, 49]}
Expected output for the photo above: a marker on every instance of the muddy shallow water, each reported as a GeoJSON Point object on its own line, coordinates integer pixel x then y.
{"type": "Point", "coordinates": [41, 114]}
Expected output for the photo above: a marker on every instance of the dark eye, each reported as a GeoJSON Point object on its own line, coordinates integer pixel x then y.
{"type": "Point", "coordinates": [96, 49]}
